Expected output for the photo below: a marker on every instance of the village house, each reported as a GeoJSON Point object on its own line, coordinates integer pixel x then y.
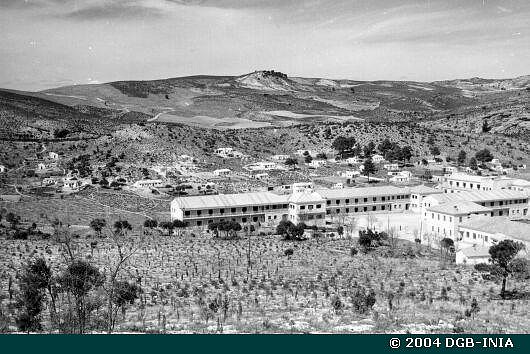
{"type": "Point", "coordinates": [2, 168]}
{"type": "Point", "coordinates": [391, 166]}
{"type": "Point", "coordinates": [149, 183]}
{"type": "Point", "coordinates": [377, 158]}
{"type": "Point", "coordinates": [262, 166]}
{"type": "Point", "coordinates": [400, 177]}
{"type": "Point", "coordinates": [53, 155]}
{"type": "Point", "coordinates": [279, 157]}
{"type": "Point", "coordinates": [472, 255]}
{"type": "Point", "coordinates": [353, 160]}
{"type": "Point", "coordinates": [317, 163]}
{"type": "Point", "coordinates": [222, 172]}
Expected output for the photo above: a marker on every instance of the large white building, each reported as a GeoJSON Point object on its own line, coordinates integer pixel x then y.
{"type": "Point", "coordinates": [487, 231]}
{"type": "Point", "coordinates": [443, 213]}
{"type": "Point", "coordinates": [303, 205]}
{"type": "Point", "coordinates": [458, 182]}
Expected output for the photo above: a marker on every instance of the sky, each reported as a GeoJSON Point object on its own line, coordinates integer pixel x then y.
{"type": "Point", "coordinates": [51, 43]}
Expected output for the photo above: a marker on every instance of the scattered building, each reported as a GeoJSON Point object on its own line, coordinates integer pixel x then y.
{"type": "Point", "coordinates": [222, 172]}
{"type": "Point", "coordinates": [473, 255]}
{"type": "Point", "coordinates": [377, 158]}
{"type": "Point", "coordinates": [317, 163]}
{"type": "Point", "coordinates": [280, 157]}
{"type": "Point", "coordinates": [149, 183]}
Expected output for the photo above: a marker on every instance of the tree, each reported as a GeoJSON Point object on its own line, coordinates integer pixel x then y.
{"type": "Point", "coordinates": [369, 168]}
{"type": "Point", "coordinates": [446, 246]}
{"type": "Point", "coordinates": [485, 127]}
{"type": "Point", "coordinates": [484, 156]}
{"type": "Point", "coordinates": [462, 155]}
{"type": "Point", "coordinates": [97, 225]}
{"type": "Point", "coordinates": [308, 159]}
{"type": "Point", "coordinates": [343, 145]}
{"type": "Point", "coordinates": [291, 162]}
{"type": "Point", "coordinates": [290, 231]}
{"type": "Point", "coordinates": [168, 226]}
{"type": "Point", "coordinates": [406, 153]}
{"type": "Point", "coordinates": [435, 151]}
{"type": "Point", "coordinates": [369, 149]}
{"type": "Point", "coordinates": [150, 223]}
{"type": "Point", "coordinates": [321, 156]}
{"type": "Point", "coordinates": [369, 239]}
{"type": "Point", "coordinates": [473, 164]}
{"type": "Point", "coordinates": [122, 227]}
{"type": "Point", "coordinates": [78, 280]}
{"type": "Point", "coordinates": [33, 284]}
{"type": "Point", "coordinates": [179, 225]}
{"type": "Point", "coordinates": [385, 146]}
{"type": "Point", "coordinates": [124, 293]}
{"type": "Point", "coordinates": [502, 255]}
{"type": "Point", "coordinates": [228, 227]}
{"type": "Point", "coordinates": [13, 219]}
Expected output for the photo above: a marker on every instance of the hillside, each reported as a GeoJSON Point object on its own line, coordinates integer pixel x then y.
{"type": "Point", "coordinates": [270, 98]}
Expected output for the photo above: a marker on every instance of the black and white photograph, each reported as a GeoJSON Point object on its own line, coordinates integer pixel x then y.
{"type": "Point", "coordinates": [265, 167]}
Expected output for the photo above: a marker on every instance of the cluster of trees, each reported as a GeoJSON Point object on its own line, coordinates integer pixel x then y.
{"type": "Point", "coordinates": [80, 297]}
{"type": "Point", "coordinates": [393, 152]}
{"type": "Point", "coordinates": [481, 156]}
{"type": "Point", "coordinates": [370, 239]}
{"type": "Point", "coordinates": [290, 231]}
{"type": "Point", "coordinates": [230, 228]}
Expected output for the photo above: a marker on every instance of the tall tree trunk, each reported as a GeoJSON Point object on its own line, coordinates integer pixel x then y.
{"type": "Point", "coordinates": [503, 289]}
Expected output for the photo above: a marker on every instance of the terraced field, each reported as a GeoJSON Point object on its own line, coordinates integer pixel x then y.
{"type": "Point", "coordinates": [200, 284]}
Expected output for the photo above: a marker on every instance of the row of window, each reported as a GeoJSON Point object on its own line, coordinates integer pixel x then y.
{"type": "Point", "coordinates": [365, 200]}
{"type": "Point", "coordinates": [199, 212]}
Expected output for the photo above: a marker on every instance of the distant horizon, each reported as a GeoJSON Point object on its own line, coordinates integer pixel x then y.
{"type": "Point", "coordinates": [53, 43]}
{"type": "Point", "coordinates": [289, 76]}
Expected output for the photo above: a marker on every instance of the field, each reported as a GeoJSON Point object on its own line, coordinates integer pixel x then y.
{"type": "Point", "coordinates": [206, 285]}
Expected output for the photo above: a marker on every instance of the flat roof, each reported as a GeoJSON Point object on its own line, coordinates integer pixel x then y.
{"type": "Point", "coordinates": [458, 208]}
{"type": "Point", "coordinates": [229, 200]}
{"type": "Point", "coordinates": [500, 225]}
{"type": "Point", "coordinates": [479, 196]}
{"type": "Point", "coordinates": [361, 192]}
{"type": "Point", "coordinates": [423, 189]}
{"type": "Point", "coordinates": [476, 251]}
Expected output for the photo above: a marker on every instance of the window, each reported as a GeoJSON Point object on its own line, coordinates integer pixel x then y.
{"type": "Point", "coordinates": [337, 201]}
{"type": "Point", "coordinates": [244, 209]}
{"type": "Point", "coordinates": [285, 206]}
{"type": "Point", "coordinates": [243, 219]}
{"type": "Point", "coordinates": [356, 200]}
{"type": "Point", "coordinates": [187, 213]}
{"type": "Point", "coordinates": [319, 206]}
{"type": "Point", "coordinates": [486, 238]}
{"type": "Point", "coordinates": [382, 207]}
{"type": "Point", "coordinates": [383, 199]}
{"type": "Point", "coordinates": [366, 200]}
{"type": "Point", "coordinates": [374, 208]}
{"type": "Point", "coordinates": [356, 209]}
{"type": "Point", "coordinates": [444, 217]}
{"type": "Point", "coordinates": [199, 212]}
{"type": "Point", "coordinates": [500, 212]}
{"type": "Point", "coordinates": [467, 234]}
{"type": "Point", "coordinates": [302, 207]}
{"type": "Point", "coordinates": [222, 211]}
{"type": "Point", "coordinates": [474, 236]}
{"type": "Point", "coordinates": [460, 219]}
{"type": "Point", "coordinates": [347, 201]}
{"type": "Point", "coordinates": [255, 208]}
{"type": "Point", "coordinates": [310, 207]}
{"type": "Point", "coordinates": [328, 202]}
{"type": "Point", "coordinates": [210, 211]}
{"type": "Point", "coordinates": [233, 210]}
{"type": "Point", "coordinates": [337, 211]}
{"type": "Point", "coordinates": [365, 208]}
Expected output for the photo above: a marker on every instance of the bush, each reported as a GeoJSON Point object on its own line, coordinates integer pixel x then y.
{"type": "Point", "coordinates": [363, 300]}
{"type": "Point", "coordinates": [288, 252]}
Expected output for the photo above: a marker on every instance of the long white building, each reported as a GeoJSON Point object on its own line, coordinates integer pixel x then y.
{"type": "Point", "coordinates": [303, 205]}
